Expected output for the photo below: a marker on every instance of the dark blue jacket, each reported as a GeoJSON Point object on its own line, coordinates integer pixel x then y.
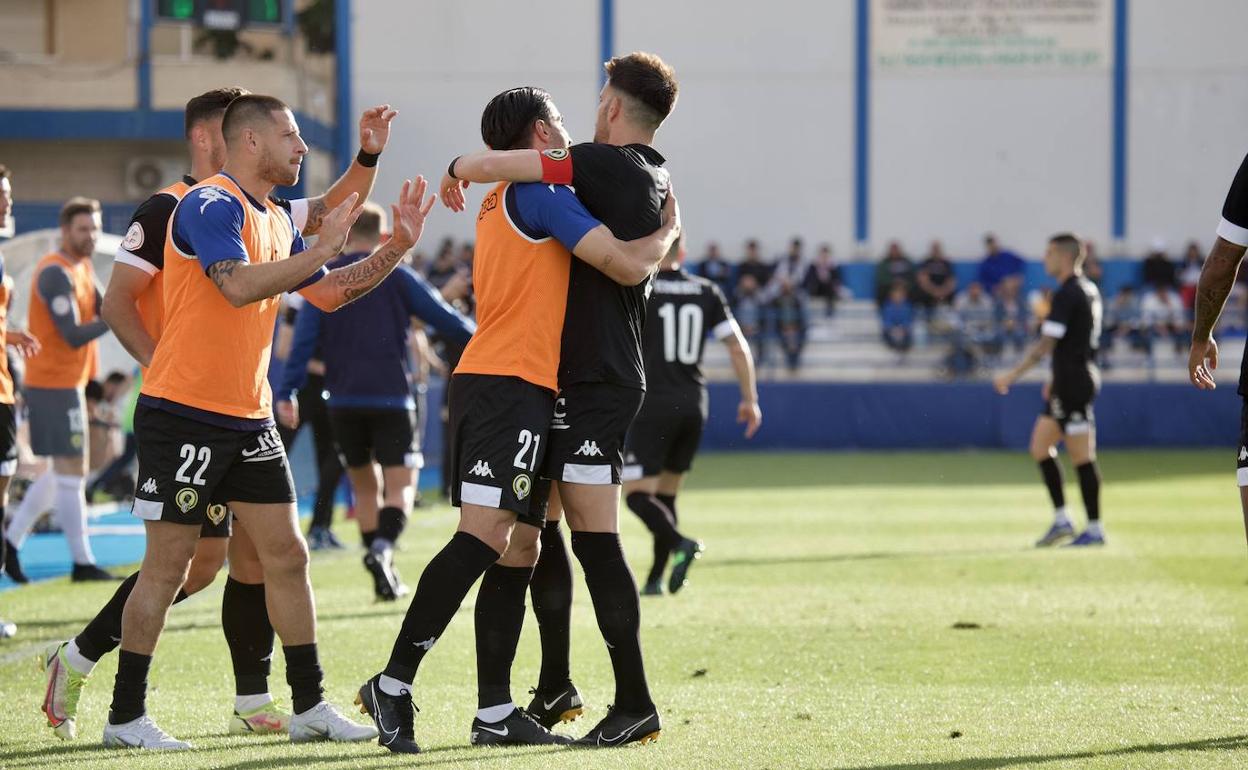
{"type": "Point", "coordinates": [365, 344]}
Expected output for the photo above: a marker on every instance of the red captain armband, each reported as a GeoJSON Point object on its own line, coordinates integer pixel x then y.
{"type": "Point", "coordinates": [556, 166]}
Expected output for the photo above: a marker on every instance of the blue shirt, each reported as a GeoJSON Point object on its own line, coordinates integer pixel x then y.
{"type": "Point", "coordinates": [997, 267]}
{"type": "Point", "coordinates": [897, 315]}
{"type": "Point", "coordinates": [541, 210]}
{"type": "Point", "coordinates": [365, 344]}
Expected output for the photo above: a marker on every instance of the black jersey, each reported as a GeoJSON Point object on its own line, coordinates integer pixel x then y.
{"type": "Point", "coordinates": [683, 310]}
{"type": "Point", "coordinates": [1234, 228]}
{"type": "Point", "coordinates": [624, 188]}
{"type": "Point", "coordinates": [1075, 321]}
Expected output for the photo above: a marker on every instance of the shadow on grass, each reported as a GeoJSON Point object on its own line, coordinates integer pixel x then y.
{"type": "Point", "coordinates": [1228, 743]}
{"type": "Point", "coordinates": [837, 558]}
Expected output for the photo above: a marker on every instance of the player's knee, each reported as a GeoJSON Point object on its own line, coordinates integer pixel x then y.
{"type": "Point", "coordinates": [1041, 452]}
{"type": "Point", "coordinates": [287, 558]}
{"type": "Point", "coordinates": [523, 551]}
{"type": "Point", "coordinates": [200, 576]}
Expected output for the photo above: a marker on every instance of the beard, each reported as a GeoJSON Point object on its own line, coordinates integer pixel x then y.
{"type": "Point", "coordinates": [277, 172]}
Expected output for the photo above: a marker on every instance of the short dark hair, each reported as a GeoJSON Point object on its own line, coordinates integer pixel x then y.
{"type": "Point", "coordinates": [248, 110]}
{"type": "Point", "coordinates": [368, 224]}
{"type": "Point", "coordinates": [1072, 245]}
{"type": "Point", "coordinates": [94, 391]}
{"type": "Point", "coordinates": [75, 206]}
{"type": "Point", "coordinates": [209, 105]}
{"type": "Point", "coordinates": [649, 80]}
{"type": "Point", "coordinates": [507, 118]}
{"type": "Point", "coordinates": [114, 377]}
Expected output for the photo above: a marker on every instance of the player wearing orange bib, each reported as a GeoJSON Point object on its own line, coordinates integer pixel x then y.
{"type": "Point", "coordinates": [204, 425]}
{"type": "Point", "coordinates": [134, 309]}
{"type": "Point", "coordinates": [63, 315]}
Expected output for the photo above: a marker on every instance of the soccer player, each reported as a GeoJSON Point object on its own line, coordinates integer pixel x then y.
{"type": "Point", "coordinates": [205, 429]}
{"type": "Point", "coordinates": [683, 309]}
{"type": "Point", "coordinates": [134, 309]}
{"type": "Point", "coordinates": [64, 316]}
{"type": "Point", "coordinates": [502, 395]}
{"type": "Point", "coordinates": [1217, 277]}
{"type": "Point", "coordinates": [368, 378]}
{"type": "Point", "coordinates": [1071, 335]}
{"type": "Point", "coordinates": [621, 180]}
{"type": "Point", "coordinates": [25, 344]}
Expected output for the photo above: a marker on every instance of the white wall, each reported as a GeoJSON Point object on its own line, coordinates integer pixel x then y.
{"type": "Point", "coordinates": [761, 143]}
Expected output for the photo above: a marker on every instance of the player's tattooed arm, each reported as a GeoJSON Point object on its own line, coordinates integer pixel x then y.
{"type": "Point", "coordinates": [1217, 278]}
{"type": "Point", "coordinates": [358, 178]}
{"type": "Point", "coordinates": [349, 283]}
{"type": "Point", "coordinates": [1039, 350]}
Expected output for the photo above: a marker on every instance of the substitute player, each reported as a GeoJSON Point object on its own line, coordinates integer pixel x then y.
{"type": "Point", "coordinates": [621, 180]}
{"type": "Point", "coordinates": [1071, 335]}
{"type": "Point", "coordinates": [26, 345]}
{"type": "Point", "coordinates": [502, 395]}
{"type": "Point", "coordinates": [204, 423]}
{"type": "Point", "coordinates": [134, 309]}
{"type": "Point", "coordinates": [683, 310]}
{"type": "Point", "coordinates": [1217, 277]}
{"type": "Point", "coordinates": [368, 377]}
{"type": "Point", "coordinates": [64, 316]}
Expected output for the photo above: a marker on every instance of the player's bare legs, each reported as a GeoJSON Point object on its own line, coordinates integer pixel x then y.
{"type": "Point", "coordinates": [274, 529]}
{"type": "Point", "coordinates": [1081, 445]}
{"type": "Point", "coordinates": [1045, 435]}
{"type": "Point", "coordinates": [365, 486]}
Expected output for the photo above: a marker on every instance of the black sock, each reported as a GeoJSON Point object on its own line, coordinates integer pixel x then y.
{"type": "Point", "coordinates": [551, 591]}
{"type": "Point", "coordinates": [656, 516]}
{"type": "Point", "coordinates": [248, 632]}
{"type": "Point", "coordinates": [1090, 485]}
{"type": "Point", "coordinates": [499, 618]}
{"type": "Point", "coordinates": [659, 566]}
{"type": "Point", "coordinates": [390, 523]}
{"type": "Point", "coordinates": [368, 538]}
{"type": "Point", "coordinates": [1051, 471]}
{"type": "Point", "coordinates": [130, 688]}
{"type": "Point", "coordinates": [103, 634]}
{"type": "Point", "coordinates": [614, 594]}
{"type": "Point", "coordinates": [304, 675]}
{"type": "Point", "coordinates": [4, 543]}
{"type": "Point", "coordinates": [670, 502]}
{"type": "Point", "coordinates": [441, 590]}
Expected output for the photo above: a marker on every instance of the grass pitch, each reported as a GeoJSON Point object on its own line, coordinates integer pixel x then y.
{"type": "Point", "coordinates": [852, 611]}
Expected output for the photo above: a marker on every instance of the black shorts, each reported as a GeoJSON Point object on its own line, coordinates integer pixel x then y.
{"type": "Point", "coordinates": [8, 440]}
{"type": "Point", "coordinates": [587, 434]}
{"type": "Point", "coordinates": [1072, 409]}
{"type": "Point", "coordinates": [664, 437]}
{"type": "Point", "coordinates": [189, 470]}
{"type": "Point", "coordinates": [387, 436]}
{"type": "Point", "coordinates": [1242, 464]}
{"type": "Point", "coordinates": [498, 437]}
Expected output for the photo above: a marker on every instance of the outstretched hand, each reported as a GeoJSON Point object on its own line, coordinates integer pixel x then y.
{"type": "Point", "coordinates": [375, 128]}
{"type": "Point", "coordinates": [410, 213]}
{"type": "Point", "coordinates": [452, 191]}
{"type": "Point", "coordinates": [337, 223]}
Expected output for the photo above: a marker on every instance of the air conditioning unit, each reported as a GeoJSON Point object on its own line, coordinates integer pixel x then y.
{"type": "Point", "coordinates": [147, 174]}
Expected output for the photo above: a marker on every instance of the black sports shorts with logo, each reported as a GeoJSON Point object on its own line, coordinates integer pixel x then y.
{"type": "Point", "coordinates": [387, 436]}
{"type": "Point", "coordinates": [664, 437]}
{"type": "Point", "coordinates": [189, 470]}
{"type": "Point", "coordinates": [591, 421]}
{"type": "Point", "coordinates": [1071, 407]}
{"type": "Point", "coordinates": [498, 436]}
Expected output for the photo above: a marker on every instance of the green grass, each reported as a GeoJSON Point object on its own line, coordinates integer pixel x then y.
{"type": "Point", "coordinates": [822, 616]}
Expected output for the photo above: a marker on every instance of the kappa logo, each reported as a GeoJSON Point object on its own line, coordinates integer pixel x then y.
{"type": "Point", "coordinates": [426, 645]}
{"type": "Point", "coordinates": [212, 194]}
{"type": "Point", "coordinates": [1243, 453]}
{"type": "Point", "coordinates": [149, 486]}
{"type": "Point", "coordinates": [589, 449]}
{"type": "Point", "coordinates": [482, 469]}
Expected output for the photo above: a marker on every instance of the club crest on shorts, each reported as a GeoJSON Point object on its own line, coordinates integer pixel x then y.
{"type": "Point", "coordinates": [186, 499]}
{"type": "Point", "coordinates": [522, 485]}
{"type": "Point", "coordinates": [216, 513]}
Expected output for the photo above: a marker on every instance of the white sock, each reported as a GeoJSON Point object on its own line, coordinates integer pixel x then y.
{"type": "Point", "coordinates": [245, 703]}
{"type": "Point", "coordinates": [79, 662]}
{"type": "Point", "coordinates": [70, 509]}
{"type": "Point", "coordinates": [1060, 516]}
{"type": "Point", "coordinates": [1094, 527]}
{"type": "Point", "coordinates": [391, 686]}
{"type": "Point", "coordinates": [37, 500]}
{"type": "Point", "coordinates": [496, 713]}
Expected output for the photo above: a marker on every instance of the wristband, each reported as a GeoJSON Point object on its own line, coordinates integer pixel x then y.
{"type": "Point", "coordinates": [450, 170]}
{"type": "Point", "coordinates": [367, 159]}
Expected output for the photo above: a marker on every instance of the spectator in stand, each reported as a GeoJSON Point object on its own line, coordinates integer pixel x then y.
{"type": "Point", "coordinates": [1157, 270]}
{"type": "Point", "coordinates": [749, 310]}
{"type": "Point", "coordinates": [754, 266]}
{"type": "Point", "coordinates": [897, 319]}
{"type": "Point", "coordinates": [1189, 275]}
{"type": "Point", "coordinates": [977, 338]}
{"type": "Point", "coordinates": [1123, 321]}
{"type": "Point", "coordinates": [789, 307]}
{"type": "Point", "coordinates": [823, 279]}
{"type": "Point", "coordinates": [895, 267]}
{"type": "Point", "coordinates": [935, 281]}
{"type": "Point", "coordinates": [1012, 313]}
{"type": "Point", "coordinates": [1163, 317]}
{"type": "Point", "coordinates": [717, 270]}
{"type": "Point", "coordinates": [998, 264]}
{"type": "Point", "coordinates": [790, 268]}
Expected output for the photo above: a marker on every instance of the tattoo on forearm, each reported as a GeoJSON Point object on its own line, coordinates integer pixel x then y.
{"type": "Point", "coordinates": [316, 214]}
{"type": "Point", "coordinates": [1217, 278]}
{"type": "Point", "coordinates": [219, 271]}
{"type": "Point", "coordinates": [359, 279]}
